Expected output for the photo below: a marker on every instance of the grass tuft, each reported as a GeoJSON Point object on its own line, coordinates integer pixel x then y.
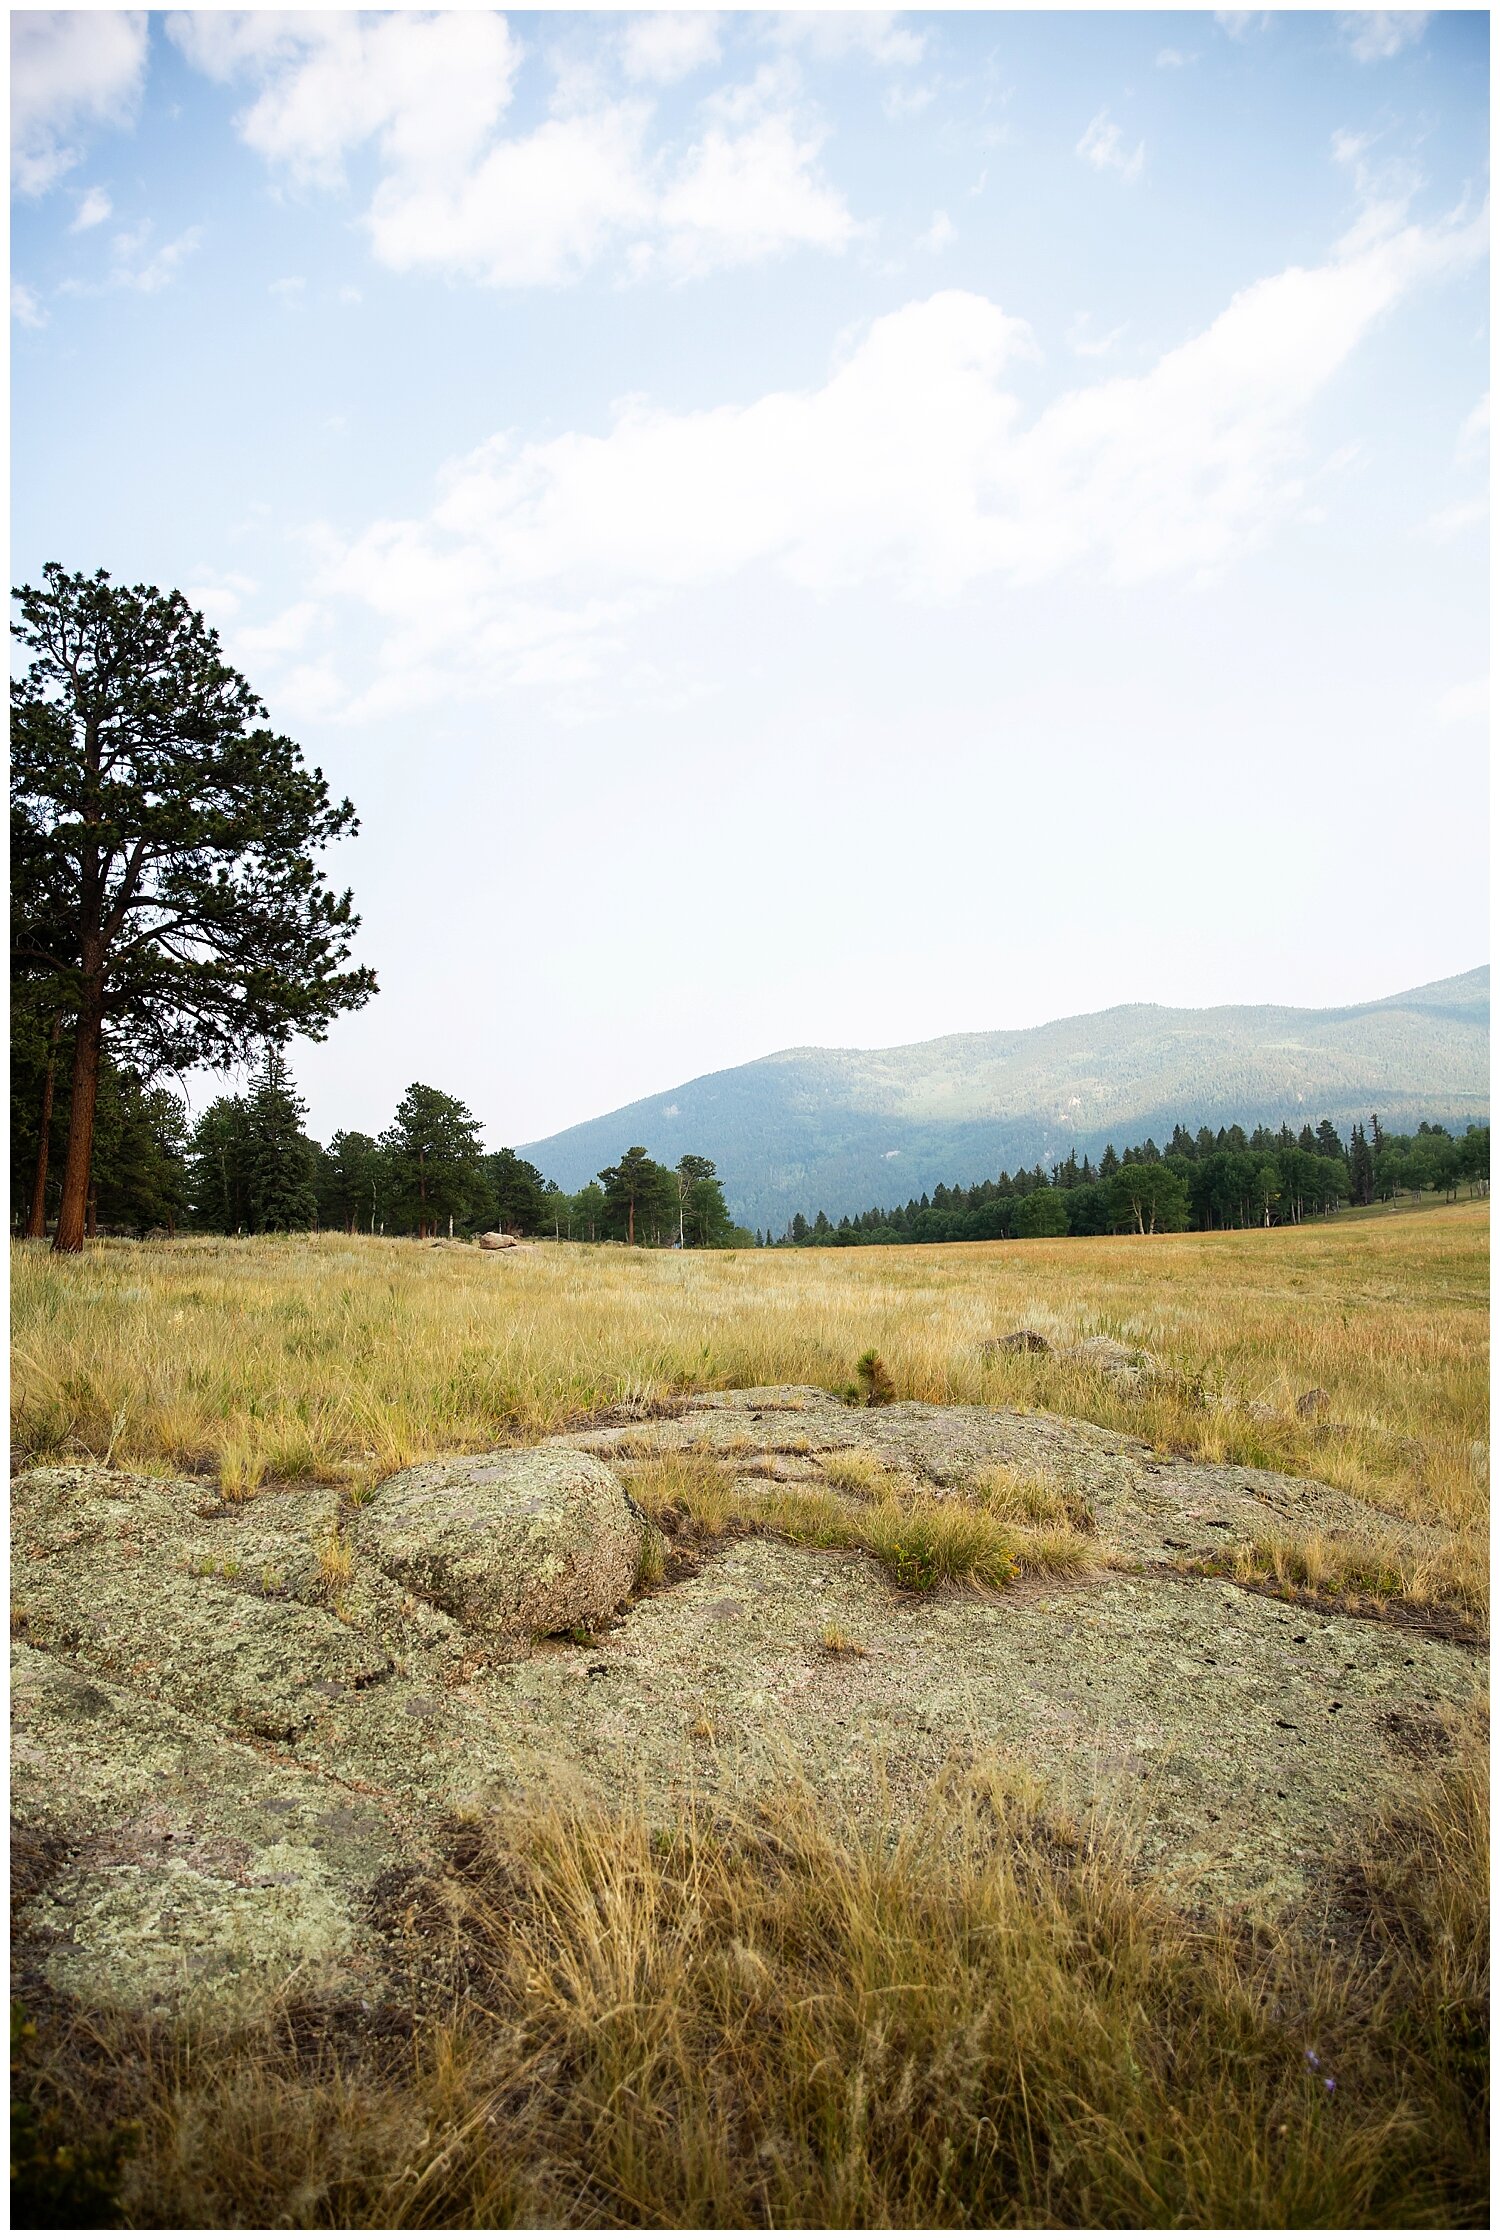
{"type": "Point", "coordinates": [982, 2017]}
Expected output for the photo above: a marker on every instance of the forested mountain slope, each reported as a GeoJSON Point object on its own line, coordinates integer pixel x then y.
{"type": "Point", "coordinates": [844, 1129]}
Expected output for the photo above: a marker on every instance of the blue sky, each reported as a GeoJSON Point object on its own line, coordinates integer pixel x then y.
{"type": "Point", "coordinates": [795, 528]}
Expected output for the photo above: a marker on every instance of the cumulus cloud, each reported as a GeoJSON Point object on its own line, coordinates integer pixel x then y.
{"type": "Point", "coordinates": [93, 209]}
{"type": "Point", "coordinates": [661, 49]}
{"type": "Point", "coordinates": [879, 36]}
{"type": "Point", "coordinates": [739, 197]}
{"type": "Point", "coordinates": [913, 464]}
{"type": "Point", "coordinates": [1241, 23]}
{"type": "Point", "coordinates": [1373, 36]}
{"type": "Point", "coordinates": [428, 89]}
{"type": "Point", "coordinates": [536, 208]}
{"type": "Point", "coordinates": [25, 306]}
{"type": "Point", "coordinates": [1103, 145]}
{"type": "Point", "coordinates": [69, 71]}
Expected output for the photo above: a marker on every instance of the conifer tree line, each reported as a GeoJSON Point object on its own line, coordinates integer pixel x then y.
{"type": "Point", "coordinates": [247, 1167]}
{"type": "Point", "coordinates": [1214, 1179]}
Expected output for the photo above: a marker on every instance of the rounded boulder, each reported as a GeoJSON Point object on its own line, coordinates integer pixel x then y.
{"type": "Point", "coordinates": [514, 1543]}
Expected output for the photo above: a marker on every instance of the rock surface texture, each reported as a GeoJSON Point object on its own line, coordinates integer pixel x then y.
{"type": "Point", "coordinates": [236, 1722]}
{"type": "Point", "coordinates": [512, 1544]}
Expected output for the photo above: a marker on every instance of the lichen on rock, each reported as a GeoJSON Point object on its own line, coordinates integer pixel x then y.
{"type": "Point", "coordinates": [510, 1544]}
{"type": "Point", "coordinates": [218, 1753]}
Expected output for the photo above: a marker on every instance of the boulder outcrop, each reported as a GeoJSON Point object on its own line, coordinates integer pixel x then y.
{"type": "Point", "coordinates": [235, 1721]}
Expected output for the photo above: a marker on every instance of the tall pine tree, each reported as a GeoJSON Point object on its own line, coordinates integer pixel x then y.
{"type": "Point", "coordinates": [280, 1164]}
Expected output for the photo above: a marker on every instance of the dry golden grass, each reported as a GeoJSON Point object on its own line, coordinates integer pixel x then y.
{"type": "Point", "coordinates": [337, 1360]}
{"type": "Point", "coordinates": [1454, 1576]}
{"type": "Point", "coordinates": [857, 1470]}
{"type": "Point", "coordinates": [985, 2019]}
{"type": "Point", "coordinates": [922, 1540]}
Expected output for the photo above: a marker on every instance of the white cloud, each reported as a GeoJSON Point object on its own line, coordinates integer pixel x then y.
{"type": "Point", "coordinates": [285, 633]}
{"type": "Point", "coordinates": [93, 209]}
{"type": "Point", "coordinates": [136, 265]}
{"type": "Point", "coordinates": [219, 598]}
{"type": "Point", "coordinates": [913, 464]}
{"type": "Point", "coordinates": [1452, 521]}
{"type": "Point", "coordinates": [1373, 36]}
{"type": "Point", "coordinates": [879, 36]}
{"type": "Point", "coordinates": [661, 49]}
{"type": "Point", "coordinates": [1241, 23]}
{"type": "Point", "coordinates": [532, 209]}
{"type": "Point", "coordinates": [939, 234]}
{"type": "Point", "coordinates": [1173, 58]}
{"type": "Point", "coordinates": [1466, 703]}
{"type": "Point", "coordinates": [1103, 145]}
{"type": "Point", "coordinates": [900, 101]}
{"type": "Point", "coordinates": [26, 306]}
{"type": "Point", "coordinates": [69, 70]}
{"type": "Point", "coordinates": [739, 197]}
{"type": "Point", "coordinates": [1349, 147]}
{"type": "Point", "coordinates": [1084, 343]}
{"type": "Point", "coordinates": [1474, 435]}
{"type": "Point", "coordinates": [428, 89]}
{"type": "Point", "coordinates": [288, 289]}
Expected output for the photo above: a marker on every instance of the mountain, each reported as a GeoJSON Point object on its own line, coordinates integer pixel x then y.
{"type": "Point", "coordinates": [844, 1129]}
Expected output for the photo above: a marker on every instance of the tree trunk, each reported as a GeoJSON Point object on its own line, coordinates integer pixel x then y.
{"type": "Point", "coordinates": [37, 1225]}
{"type": "Point", "coordinates": [630, 1223]}
{"type": "Point", "coordinates": [72, 1214]}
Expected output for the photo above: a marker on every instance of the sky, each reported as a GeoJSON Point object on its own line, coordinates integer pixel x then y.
{"type": "Point", "coordinates": [794, 528]}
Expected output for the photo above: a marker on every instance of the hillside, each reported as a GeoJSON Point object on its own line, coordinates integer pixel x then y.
{"type": "Point", "coordinates": [845, 1129]}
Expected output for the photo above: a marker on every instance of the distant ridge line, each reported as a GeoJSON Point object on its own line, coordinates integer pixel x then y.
{"type": "Point", "coordinates": [838, 1129]}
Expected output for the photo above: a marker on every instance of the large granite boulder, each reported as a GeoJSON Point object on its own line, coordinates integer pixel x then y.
{"type": "Point", "coordinates": [510, 1544]}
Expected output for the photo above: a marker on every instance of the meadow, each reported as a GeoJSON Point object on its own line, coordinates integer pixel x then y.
{"type": "Point", "coordinates": [336, 1360]}
{"type": "Point", "coordinates": [989, 2017]}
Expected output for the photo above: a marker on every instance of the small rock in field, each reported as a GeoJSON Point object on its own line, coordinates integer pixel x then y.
{"type": "Point", "coordinates": [1112, 1358]}
{"type": "Point", "coordinates": [1314, 1403]}
{"type": "Point", "coordinates": [1017, 1341]}
{"type": "Point", "coordinates": [494, 1240]}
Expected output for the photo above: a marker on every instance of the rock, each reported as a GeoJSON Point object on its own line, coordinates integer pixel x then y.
{"type": "Point", "coordinates": [183, 1868]}
{"type": "Point", "coordinates": [223, 1755]}
{"type": "Point", "coordinates": [1315, 1403]}
{"type": "Point", "coordinates": [495, 1240]}
{"type": "Point", "coordinates": [1017, 1341]}
{"type": "Point", "coordinates": [509, 1544]}
{"type": "Point", "coordinates": [1110, 1358]}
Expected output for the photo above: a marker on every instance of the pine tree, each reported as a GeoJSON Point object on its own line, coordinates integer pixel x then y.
{"type": "Point", "coordinates": [1361, 1169]}
{"type": "Point", "coordinates": [279, 1161]}
{"type": "Point", "coordinates": [435, 1160]}
{"type": "Point", "coordinates": [218, 1191]}
{"type": "Point", "coordinates": [640, 1197]}
{"type": "Point", "coordinates": [172, 901]}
